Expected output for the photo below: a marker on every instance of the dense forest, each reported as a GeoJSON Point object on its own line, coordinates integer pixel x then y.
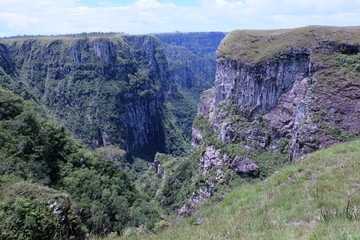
{"type": "Point", "coordinates": [52, 186]}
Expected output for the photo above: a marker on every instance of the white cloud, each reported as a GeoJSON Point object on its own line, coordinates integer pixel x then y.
{"type": "Point", "coordinates": [144, 16]}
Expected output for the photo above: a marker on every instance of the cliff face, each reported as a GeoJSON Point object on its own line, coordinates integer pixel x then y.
{"type": "Point", "coordinates": [257, 87]}
{"type": "Point", "coordinates": [284, 88]}
{"type": "Point", "coordinates": [105, 90]}
{"type": "Point", "coordinates": [6, 63]}
{"type": "Point", "coordinates": [202, 44]}
{"type": "Point", "coordinates": [192, 67]}
{"type": "Point", "coordinates": [192, 59]}
{"type": "Point", "coordinates": [277, 96]}
{"type": "Point", "coordinates": [132, 91]}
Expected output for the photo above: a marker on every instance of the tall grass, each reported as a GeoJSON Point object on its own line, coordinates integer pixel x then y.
{"type": "Point", "coordinates": [317, 197]}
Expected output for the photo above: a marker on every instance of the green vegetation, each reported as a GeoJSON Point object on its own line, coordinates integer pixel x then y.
{"type": "Point", "coordinates": [338, 133]}
{"type": "Point", "coordinates": [254, 46]}
{"type": "Point", "coordinates": [37, 157]}
{"type": "Point", "coordinates": [172, 191]}
{"type": "Point", "coordinates": [317, 197]}
{"type": "Point", "coordinates": [176, 186]}
{"type": "Point", "coordinates": [103, 88]}
{"type": "Point", "coordinates": [347, 63]}
{"type": "Point", "coordinates": [337, 84]}
{"type": "Point", "coordinates": [93, 84]}
{"type": "Point", "coordinates": [113, 91]}
{"type": "Point", "coordinates": [31, 211]}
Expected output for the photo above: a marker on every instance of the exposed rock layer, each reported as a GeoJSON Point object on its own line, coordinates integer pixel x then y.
{"type": "Point", "coordinates": [282, 93]}
{"type": "Point", "coordinates": [278, 81]}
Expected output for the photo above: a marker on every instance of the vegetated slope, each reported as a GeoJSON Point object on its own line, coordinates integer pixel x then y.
{"type": "Point", "coordinates": [95, 85]}
{"type": "Point", "coordinates": [278, 95]}
{"type": "Point", "coordinates": [111, 89]}
{"type": "Point", "coordinates": [261, 114]}
{"type": "Point", "coordinates": [192, 59]}
{"type": "Point", "coordinates": [52, 187]}
{"type": "Point", "coordinates": [192, 66]}
{"type": "Point", "coordinates": [202, 44]}
{"type": "Point", "coordinates": [318, 197]}
{"type": "Point", "coordinates": [303, 82]}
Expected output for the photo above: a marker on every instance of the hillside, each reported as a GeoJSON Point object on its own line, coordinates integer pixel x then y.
{"type": "Point", "coordinates": [253, 46]}
{"type": "Point", "coordinates": [52, 187]}
{"type": "Point", "coordinates": [318, 197]}
{"type": "Point", "coordinates": [278, 95]}
{"type": "Point", "coordinates": [110, 92]}
{"type": "Point", "coordinates": [112, 89]}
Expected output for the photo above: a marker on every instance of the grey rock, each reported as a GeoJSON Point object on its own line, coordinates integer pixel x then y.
{"type": "Point", "coordinates": [183, 211]}
{"type": "Point", "coordinates": [196, 137]}
{"type": "Point", "coordinates": [219, 175]}
{"type": "Point", "coordinates": [202, 193]}
{"type": "Point", "coordinates": [244, 166]}
{"type": "Point", "coordinates": [211, 157]}
{"type": "Point", "coordinates": [226, 133]}
{"type": "Point", "coordinates": [199, 220]}
{"type": "Point", "coordinates": [158, 169]}
{"type": "Point", "coordinates": [207, 103]}
{"type": "Point", "coordinates": [257, 88]}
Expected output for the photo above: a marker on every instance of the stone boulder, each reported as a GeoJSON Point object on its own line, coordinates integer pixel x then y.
{"type": "Point", "coordinates": [244, 166]}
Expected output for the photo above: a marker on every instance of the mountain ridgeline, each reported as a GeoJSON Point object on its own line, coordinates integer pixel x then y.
{"type": "Point", "coordinates": [115, 90]}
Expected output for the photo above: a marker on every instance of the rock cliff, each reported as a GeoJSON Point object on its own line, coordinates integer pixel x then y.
{"type": "Point", "coordinates": [94, 86]}
{"type": "Point", "coordinates": [192, 59]}
{"type": "Point", "coordinates": [114, 89]}
{"type": "Point", "coordinates": [277, 96]}
{"type": "Point", "coordinates": [192, 68]}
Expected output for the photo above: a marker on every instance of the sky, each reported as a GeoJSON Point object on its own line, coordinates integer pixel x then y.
{"type": "Point", "coordinates": [51, 17]}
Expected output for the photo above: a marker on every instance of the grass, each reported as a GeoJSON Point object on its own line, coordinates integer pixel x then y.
{"type": "Point", "coordinates": [317, 197]}
{"type": "Point", "coordinates": [254, 46]}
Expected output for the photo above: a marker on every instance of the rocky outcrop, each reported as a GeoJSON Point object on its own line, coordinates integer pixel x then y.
{"type": "Point", "coordinates": [276, 97]}
{"type": "Point", "coordinates": [211, 158]}
{"type": "Point", "coordinates": [244, 166]}
{"type": "Point", "coordinates": [196, 137]}
{"type": "Point", "coordinates": [268, 91]}
{"type": "Point", "coordinates": [202, 193]}
{"type": "Point", "coordinates": [160, 173]}
{"type": "Point", "coordinates": [257, 88]}
{"type": "Point", "coordinates": [290, 119]}
{"type": "Point", "coordinates": [216, 161]}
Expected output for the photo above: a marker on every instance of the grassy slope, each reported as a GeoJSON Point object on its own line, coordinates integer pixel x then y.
{"type": "Point", "coordinates": [258, 45]}
{"type": "Point", "coordinates": [306, 200]}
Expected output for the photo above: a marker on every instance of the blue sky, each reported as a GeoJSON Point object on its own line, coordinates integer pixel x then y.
{"type": "Point", "coordinates": [18, 17]}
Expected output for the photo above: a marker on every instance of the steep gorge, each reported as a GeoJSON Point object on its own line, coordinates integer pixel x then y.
{"type": "Point", "coordinates": [278, 95]}
{"type": "Point", "coordinates": [112, 89]}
